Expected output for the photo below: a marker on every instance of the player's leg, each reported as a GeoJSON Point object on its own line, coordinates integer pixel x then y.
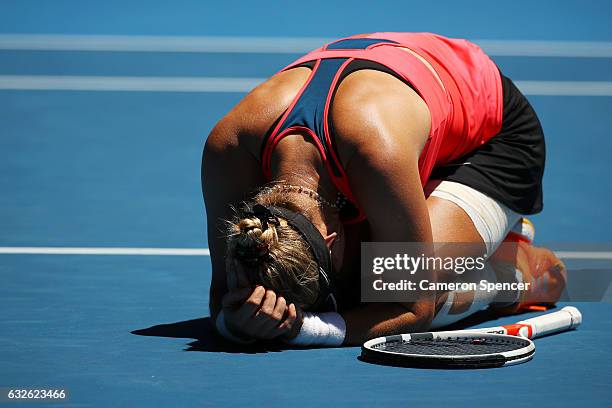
{"type": "Point", "coordinates": [460, 214]}
{"type": "Point", "coordinates": [505, 177]}
{"type": "Point", "coordinates": [538, 267]}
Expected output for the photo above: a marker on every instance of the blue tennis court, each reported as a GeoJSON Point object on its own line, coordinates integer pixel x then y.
{"type": "Point", "coordinates": [103, 260]}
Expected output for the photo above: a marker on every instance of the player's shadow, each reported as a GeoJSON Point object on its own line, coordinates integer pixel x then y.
{"type": "Point", "coordinates": [205, 337]}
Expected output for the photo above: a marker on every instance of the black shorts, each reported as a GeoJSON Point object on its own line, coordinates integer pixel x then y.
{"type": "Point", "coordinates": [510, 166]}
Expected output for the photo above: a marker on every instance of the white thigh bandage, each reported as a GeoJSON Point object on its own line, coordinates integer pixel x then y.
{"type": "Point", "coordinates": [492, 219]}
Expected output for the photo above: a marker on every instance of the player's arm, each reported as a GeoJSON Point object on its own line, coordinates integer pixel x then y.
{"type": "Point", "coordinates": [229, 173]}
{"type": "Point", "coordinates": [384, 133]}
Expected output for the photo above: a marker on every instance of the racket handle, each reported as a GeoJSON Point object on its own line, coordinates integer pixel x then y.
{"type": "Point", "coordinates": [564, 319]}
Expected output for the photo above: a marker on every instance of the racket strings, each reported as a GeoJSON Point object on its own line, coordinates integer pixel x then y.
{"type": "Point", "coordinates": [452, 346]}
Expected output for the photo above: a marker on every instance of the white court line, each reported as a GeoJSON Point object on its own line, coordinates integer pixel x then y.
{"type": "Point", "coordinates": [241, 85]}
{"type": "Point", "coordinates": [206, 252]}
{"type": "Point", "coordinates": [130, 84]}
{"type": "Point", "coordinates": [275, 45]}
{"type": "Point", "coordinates": [530, 48]}
{"type": "Point", "coordinates": [565, 88]}
{"type": "Point", "coordinates": [584, 255]}
{"type": "Point", "coordinates": [137, 43]}
{"type": "Point", "coordinates": [105, 251]}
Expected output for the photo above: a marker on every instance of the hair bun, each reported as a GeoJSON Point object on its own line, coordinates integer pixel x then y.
{"type": "Point", "coordinates": [251, 247]}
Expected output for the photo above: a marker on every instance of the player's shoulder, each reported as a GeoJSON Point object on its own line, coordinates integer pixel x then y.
{"type": "Point", "coordinates": [249, 120]}
{"type": "Point", "coordinates": [267, 102]}
{"type": "Point", "coordinates": [373, 108]}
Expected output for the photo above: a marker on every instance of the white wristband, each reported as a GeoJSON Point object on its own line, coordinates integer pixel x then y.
{"type": "Point", "coordinates": [321, 329]}
{"type": "Point", "coordinates": [228, 335]}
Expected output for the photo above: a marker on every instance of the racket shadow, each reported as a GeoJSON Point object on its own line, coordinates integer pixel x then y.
{"type": "Point", "coordinates": [421, 367]}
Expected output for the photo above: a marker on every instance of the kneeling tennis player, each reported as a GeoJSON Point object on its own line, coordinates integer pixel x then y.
{"type": "Point", "coordinates": [384, 137]}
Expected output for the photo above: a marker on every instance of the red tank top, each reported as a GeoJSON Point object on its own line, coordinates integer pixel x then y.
{"type": "Point", "coordinates": [461, 87]}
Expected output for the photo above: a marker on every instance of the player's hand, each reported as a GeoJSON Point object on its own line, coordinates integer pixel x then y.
{"type": "Point", "coordinates": [236, 275]}
{"type": "Point", "coordinates": [260, 314]}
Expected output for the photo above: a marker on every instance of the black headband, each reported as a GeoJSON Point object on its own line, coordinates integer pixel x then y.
{"type": "Point", "coordinates": [267, 214]}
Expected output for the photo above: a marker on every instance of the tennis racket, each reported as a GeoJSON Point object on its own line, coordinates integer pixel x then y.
{"type": "Point", "coordinates": [475, 348]}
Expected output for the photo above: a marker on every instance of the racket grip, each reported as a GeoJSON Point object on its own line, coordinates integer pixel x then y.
{"type": "Point", "coordinates": [564, 319]}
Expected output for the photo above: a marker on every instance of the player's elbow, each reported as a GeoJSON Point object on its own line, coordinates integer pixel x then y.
{"type": "Point", "coordinates": [217, 142]}
{"type": "Point", "coordinates": [217, 147]}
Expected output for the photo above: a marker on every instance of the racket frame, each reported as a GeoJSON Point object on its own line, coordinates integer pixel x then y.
{"type": "Point", "coordinates": [371, 353]}
{"type": "Point", "coordinates": [565, 319]}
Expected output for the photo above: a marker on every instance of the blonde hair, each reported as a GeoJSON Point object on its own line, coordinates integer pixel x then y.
{"type": "Point", "coordinates": [274, 255]}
